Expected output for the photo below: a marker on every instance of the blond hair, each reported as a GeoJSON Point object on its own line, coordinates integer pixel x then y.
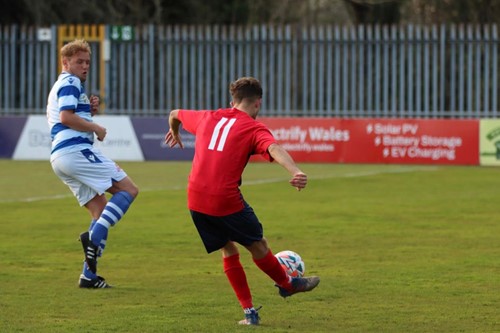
{"type": "Point", "coordinates": [72, 48]}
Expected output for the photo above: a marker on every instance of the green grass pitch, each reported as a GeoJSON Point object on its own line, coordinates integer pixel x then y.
{"type": "Point", "coordinates": [398, 249]}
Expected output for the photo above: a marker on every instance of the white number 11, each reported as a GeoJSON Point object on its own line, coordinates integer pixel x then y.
{"type": "Point", "coordinates": [223, 137]}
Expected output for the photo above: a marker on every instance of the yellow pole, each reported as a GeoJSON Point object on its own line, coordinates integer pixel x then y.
{"type": "Point", "coordinates": [60, 43]}
{"type": "Point", "coordinates": [102, 69]}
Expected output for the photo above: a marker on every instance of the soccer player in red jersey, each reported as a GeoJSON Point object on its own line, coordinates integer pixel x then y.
{"type": "Point", "coordinates": [225, 140]}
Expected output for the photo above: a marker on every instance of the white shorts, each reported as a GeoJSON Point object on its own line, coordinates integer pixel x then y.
{"type": "Point", "coordinates": [87, 173]}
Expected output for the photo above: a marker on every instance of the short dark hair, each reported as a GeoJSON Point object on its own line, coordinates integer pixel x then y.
{"type": "Point", "coordinates": [245, 87]}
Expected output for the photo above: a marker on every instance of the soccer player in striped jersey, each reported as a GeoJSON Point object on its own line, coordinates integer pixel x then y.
{"type": "Point", "coordinates": [225, 140]}
{"type": "Point", "coordinates": [84, 169]}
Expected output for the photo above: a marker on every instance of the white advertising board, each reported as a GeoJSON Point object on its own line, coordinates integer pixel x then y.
{"type": "Point", "coordinates": [120, 143]}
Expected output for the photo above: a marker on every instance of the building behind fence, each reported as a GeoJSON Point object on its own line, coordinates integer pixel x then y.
{"type": "Point", "coordinates": [447, 71]}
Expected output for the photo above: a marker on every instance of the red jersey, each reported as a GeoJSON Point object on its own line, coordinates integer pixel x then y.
{"type": "Point", "coordinates": [225, 140]}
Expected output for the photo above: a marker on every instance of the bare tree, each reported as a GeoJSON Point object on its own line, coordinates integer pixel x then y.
{"type": "Point", "coordinates": [374, 11]}
{"type": "Point", "coordinates": [306, 12]}
{"type": "Point", "coordinates": [451, 11]}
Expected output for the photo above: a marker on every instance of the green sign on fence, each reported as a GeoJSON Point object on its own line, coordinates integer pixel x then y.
{"type": "Point", "coordinates": [122, 32]}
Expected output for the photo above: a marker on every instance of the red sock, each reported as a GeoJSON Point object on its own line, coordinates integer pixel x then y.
{"type": "Point", "coordinates": [238, 280]}
{"type": "Point", "coordinates": [271, 266]}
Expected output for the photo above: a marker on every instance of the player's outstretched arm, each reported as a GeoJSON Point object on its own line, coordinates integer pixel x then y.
{"type": "Point", "coordinates": [280, 155]}
{"type": "Point", "coordinates": [173, 137]}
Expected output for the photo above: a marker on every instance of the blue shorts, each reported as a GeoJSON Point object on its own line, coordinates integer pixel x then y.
{"type": "Point", "coordinates": [242, 227]}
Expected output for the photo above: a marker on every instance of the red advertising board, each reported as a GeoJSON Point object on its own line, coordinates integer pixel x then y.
{"type": "Point", "coordinates": [323, 140]}
{"type": "Point", "coordinates": [373, 140]}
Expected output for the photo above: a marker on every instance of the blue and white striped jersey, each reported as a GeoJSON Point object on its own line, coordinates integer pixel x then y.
{"type": "Point", "coordinates": [68, 93]}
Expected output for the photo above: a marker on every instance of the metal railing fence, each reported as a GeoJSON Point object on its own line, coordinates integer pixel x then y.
{"type": "Point", "coordinates": [446, 71]}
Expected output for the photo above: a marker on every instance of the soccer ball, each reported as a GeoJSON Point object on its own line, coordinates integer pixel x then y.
{"type": "Point", "coordinates": [291, 262]}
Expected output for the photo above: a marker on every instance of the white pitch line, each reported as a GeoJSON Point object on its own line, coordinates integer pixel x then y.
{"type": "Point", "coordinates": [250, 182]}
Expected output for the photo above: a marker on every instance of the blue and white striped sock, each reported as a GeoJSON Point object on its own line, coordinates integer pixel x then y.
{"type": "Point", "coordinates": [92, 224]}
{"type": "Point", "coordinates": [114, 210]}
{"type": "Point", "coordinates": [103, 241]}
{"type": "Point", "coordinates": [87, 272]}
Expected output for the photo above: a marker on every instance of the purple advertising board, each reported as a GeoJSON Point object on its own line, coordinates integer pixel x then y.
{"type": "Point", "coordinates": [10, 131]}
{"type": "Point", "coordinates": [151, 132]}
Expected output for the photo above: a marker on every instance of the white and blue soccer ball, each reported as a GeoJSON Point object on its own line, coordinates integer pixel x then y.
{"type": "Point", "coordinates": [291, 262]}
